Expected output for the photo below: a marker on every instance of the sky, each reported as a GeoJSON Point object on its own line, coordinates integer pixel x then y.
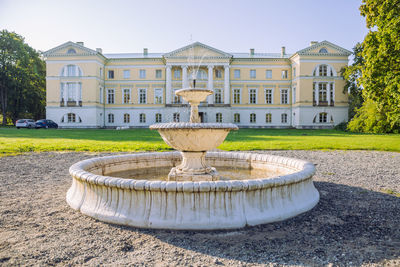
{"type": "Point", "coordinates": [119, 26]}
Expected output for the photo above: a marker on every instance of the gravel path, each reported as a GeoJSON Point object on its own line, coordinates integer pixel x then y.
{"type": "Point", "coordinates": [357, 221]}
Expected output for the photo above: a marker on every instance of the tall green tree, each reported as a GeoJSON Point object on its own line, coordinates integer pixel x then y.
{"type": "Point", "coordinates": [380, 78]}
{"type": "Point", "coordinates": [22, 79]}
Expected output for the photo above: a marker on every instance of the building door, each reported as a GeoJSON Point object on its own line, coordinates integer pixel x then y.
{"type": "Point", "coordinates": [201, 115]}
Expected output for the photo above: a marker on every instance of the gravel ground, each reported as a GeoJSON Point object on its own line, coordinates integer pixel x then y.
{"type": "Point", "coordinates": [357, 221]}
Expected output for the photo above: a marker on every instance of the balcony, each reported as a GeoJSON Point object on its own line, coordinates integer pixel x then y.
{"type": "Point", "coordinates": [71, 104]}
{"type": "Point", "coordinates": [323, 104]}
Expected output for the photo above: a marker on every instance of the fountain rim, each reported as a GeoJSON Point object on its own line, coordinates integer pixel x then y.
{"type": "Point", "coordinates": [303, 170]}
{"type": "Point", "coordinates": [189, 89]}
{"type": "Point", "coordinates": [193, 126]}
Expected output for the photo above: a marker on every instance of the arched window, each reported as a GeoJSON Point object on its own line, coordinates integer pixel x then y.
{"type": "Point", "coordinates": [142, 118]}
{"type": "Point", "coordinates": [71, 71]}
{"type": "Point", "coordinates": [71, 118]}
{"type": "Point", "coordinates": [110, 118]}
{"type": "Point", "coordinates": [236, 117]}
{"type": "Point", "coordinates": [252, 118]}
{"type": "Point", "coordinates": [158, 117]}
{"type": "Point", "coordinates": [284, 118]}
{"type": "Point", "coordinates": [127, 118]}
{"type": "Point", "coordinates": [218, 117]}
{"type": "Point", "coordinates": [268, 118]}
{"type": "Point", "coordinates": [323, 50]}
{"type": "Point", "coordinates": [71, 51]}
{"type": "Point", "coordinates": [323, 70]}
{"type": "Point", "coordinates": [176, 117]}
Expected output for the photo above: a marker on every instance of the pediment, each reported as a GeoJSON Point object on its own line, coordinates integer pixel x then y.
{"type": "Point", "coordinates": [324, 48]}
{"type": "Point", "coordinates": [70, 49]}
{"type": "Point", "coordinates": [197, 50]}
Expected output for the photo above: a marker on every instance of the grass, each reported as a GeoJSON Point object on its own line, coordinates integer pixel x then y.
{"type": "Point", "coordinates": [15, 141]}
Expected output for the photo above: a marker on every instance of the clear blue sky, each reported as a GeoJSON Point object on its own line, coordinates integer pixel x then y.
{"type": "Point", "coordinates": [164, 25]}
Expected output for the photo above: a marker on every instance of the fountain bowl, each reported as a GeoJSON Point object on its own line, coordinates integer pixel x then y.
{"type": "Point", "coordinates": [201, 205]}
{"type": "Point", "coordinates": [194, 95]}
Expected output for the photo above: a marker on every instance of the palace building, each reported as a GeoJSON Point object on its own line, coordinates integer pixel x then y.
{"type": "Point", "coordinates": [89, 89]}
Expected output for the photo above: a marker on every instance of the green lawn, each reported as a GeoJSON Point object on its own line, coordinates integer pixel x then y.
{"type": "Point", "coordinates": [15, 141]}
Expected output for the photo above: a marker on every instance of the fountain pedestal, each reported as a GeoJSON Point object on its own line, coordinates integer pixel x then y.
{"type": "Point", "coordinates": [193, 168]}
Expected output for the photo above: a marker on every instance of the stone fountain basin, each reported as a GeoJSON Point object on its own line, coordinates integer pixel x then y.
{"type": "Point", "coordinates": [186, 136]}
{"type": "Point", "coordinates": [194, 95]}
{"type": "Point", "coordinates": [203, 205]}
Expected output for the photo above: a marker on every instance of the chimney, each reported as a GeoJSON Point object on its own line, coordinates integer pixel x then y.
{"type": "Point", "coordinates": [99, 50]}
{"type": "Point", "coordinates": [80, 43]}
{"type": "Point", "coordinates": [313, 43]}
{"type": "Point", "coordinates": [283, 52]}
{"type": "Point", "coordinates": [251, 51]}
{"type": "Point", "coordinates": [145, 52]}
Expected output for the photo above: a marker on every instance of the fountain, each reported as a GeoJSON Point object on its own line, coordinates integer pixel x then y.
{"type": "Point", "coordinates": [193, 195]}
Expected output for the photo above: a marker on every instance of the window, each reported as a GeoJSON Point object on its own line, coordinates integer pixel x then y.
{"type": "Point", "coordinates": [142, 74]}
{"type": "Point", "coordinates": [71, 71]}
{"type": "Point", "coordinates": [284, 74]}
{"type": "Point", "coordinates": [268, 96]}
{"type": "Point", "coordinates": [284, 118]}
{"type": "Point", "coordinates": [253, 96]}
{"type": "Point", "coordinates": [126, 96]}
{"type": "Point", "coordinates": [177, 99]}
{"type": "Point", "coordinates": [176, 117]}
{"type": "Point", "coordinates": [268, 118]}
{"type": "Point", "coordinates": [71, 51]}
{"type": "Point", "coordinates": [158, 74]}
{"type": "Point", "coordinates": [236, 74]}
{"type": "Point", "coordinates": [252, 74]}
{"type": "Point", "coordinates": [323, 50]}
{"type": "Point", "coordinates": [142, 118]}
{"type": "Point", "coordinates": [218, 117]}
{"type": "Point", "coordinates": [72, 91]}
{"type": "Point", "coordinates": [127, 118]}
{"type": "Point", "coordinates": [158, 118]}
{"type": "Point", "coordinates": [322, 93]}
{"type": "Point", "coordinates": [101, 72]}
{"type": "Point", "coordinates": [127, 74]}
{"type": "Point", "coordinates": [323, 117]}
{"type": "Point", "coordinates": [110, 96]}
{"type": "Point", "coordinates": [158, 96]}
{"type": "Point", "coordinates": [284, 96]}
{"type": "Point", "coordinates": [110, 118]}
{"type": "Point", "coordinates": [294, 72]}
{"type": "Point", "coordinates": [142, 96]}
{"type": "Point", "coordinates": [71, 117]}
{"type": "Point", "coordinates": [268, 74]}
{"type": "Point", "coordinates": [323, 70]}
{"type": "Point", "coordinates": [294, 95]}
{"type": "Point", "coordinates": [236, 96]}
{"type": "Point", "coordinates": [236, 117]}
{"type": "Point", "coordinates": [217, 96]}
{"type": "Point", "coordinates": [110, 74]}
{"type": "Point", "coordinates": [101, 95]}
{"type": "Point", "coordinates": [177, 74]}
{"type": "Point", "coordinates": [252, 118]}
{"type": "Point", "coordinates": [218, 73]}
{"type": "Point", "coordinates": [332, 94]}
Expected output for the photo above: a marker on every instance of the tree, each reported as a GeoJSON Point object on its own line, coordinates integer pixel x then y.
{"type": "Point", "coordinates": [380, 78]}
{"type": "Point", "coordinates": [22, 79]}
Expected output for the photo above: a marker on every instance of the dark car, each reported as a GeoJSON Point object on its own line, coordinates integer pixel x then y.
{"type": "Point", "coordinates": [46, 124]}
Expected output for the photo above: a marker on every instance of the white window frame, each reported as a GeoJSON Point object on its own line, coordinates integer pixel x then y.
{"type": "Point", "coordinates": [218, 117]}
{"type": "Point", "coordinates": [142, 118]}
{"type": "Point", "coordinates": [285, 74]}
{"type": "Point", "coordinates": [176, 117]}
{"type": "Point", "coordinates": [156, 118]}
{"type": "Point", "coordinates": [177, 74]}
{"type": "Point", "coordinates": [101, 95]}
{"type": "Point", "coordinates": [236, 73]}
{"type": "Point", "coordinates": [233, 96]}
{"type": "Point", "coordinates": [108, 74]}
{"type": "Point", "coordinates": [127, 74]}
{"type": "Point", "coordinates": [159, 76]}
{"type": "Point", "coordinates": [326, 117]}
{"type": "Point", "coordinates": [272, 95]}
{"type": "Point", "coordinates": [255, 117]}
{"type": "Point", "coordinates": [110, 115]}
{"type": "Point", "coordinates": [284, 115]}
{"type": "Point", "coordinates": [234, 117]}
{"type": "Point", "coordinates": [142, 74]}
{"type": "Point", "coordinates": [218, 92]}
{"type": "Point", "coordinates": [270, 117]}
{"type": "Point", "coordinates": [218, 73]}
{"type": "Point", "coordinates": [145, 96]}
{"type": "Point", "coordinates": [108, 93]}
{"type": "Point", "coordinates": [161, 96]}
{"type": "Point", "coordinates": [129, 118]}
{"type": "Point", "coordinates": [268, 76]}
{"type": "Point", "coordinates": [253, 74]}
{"type": "Point", "coordinates": [256, 94]}
{"type": "Point", "coordinates": [177, 97]}
{"type": "Point", "coordinates": [287, 95]}
{"type": "Point", "coordinates": [129, 94]}
{"type": "Point", "coordinates": [294, 95]}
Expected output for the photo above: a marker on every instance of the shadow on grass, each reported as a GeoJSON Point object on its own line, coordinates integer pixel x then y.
{"type": "Point", "coordinates": [349, 226]}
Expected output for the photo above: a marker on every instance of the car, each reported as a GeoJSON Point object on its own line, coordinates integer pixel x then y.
{"type": "Point", "coordinates": [25, 123]}
{"type": "Point", "coordinates": [46, 124]}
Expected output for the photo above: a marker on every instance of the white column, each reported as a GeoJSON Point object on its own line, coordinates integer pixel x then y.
{"type": "Point", "coordinates": [185, 83]}
{"type": "Point", "coordinates": [65, 93]}
{"type": "Point", "coordinates": [77, 94]}
{"type": "Point", "coordinates": [168, 92]}
{"type": "Point", "coordinates": [210, 83]}
{"type": "Point", "coordinates": [227, 89]}
{"type": "Point", "coordinates": [328, 92]}
{"type": "Point", "coordinates": [317, 93]}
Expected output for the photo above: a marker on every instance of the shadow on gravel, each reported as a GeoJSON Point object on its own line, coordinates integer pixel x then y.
{"type": "Point", "coordinates": [349, 226]}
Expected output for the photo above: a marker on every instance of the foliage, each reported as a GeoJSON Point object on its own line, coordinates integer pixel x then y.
{"type": "Point", "coordinates": [14, 141]}
{"type": "Point", "coordinates": [381, 73]}
{"type": "Point", "coordinates": [341, 126]}
{"type": "Point", "coordinates": [22, 79]}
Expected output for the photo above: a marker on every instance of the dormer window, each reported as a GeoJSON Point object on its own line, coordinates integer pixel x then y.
{"type": "Point", "coordinates": [71, 51]}
{"type": "Point", "coordinates": [323, 50]}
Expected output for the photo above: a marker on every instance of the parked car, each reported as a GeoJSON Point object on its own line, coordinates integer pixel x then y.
{"type": "Point", "coordinates": [25, 123]}
{"type": "Point", "coordinates": [46, 124]}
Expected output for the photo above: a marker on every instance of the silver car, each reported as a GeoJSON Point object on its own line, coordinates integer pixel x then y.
{"type": "Point", "coordinates": [25, 123]}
